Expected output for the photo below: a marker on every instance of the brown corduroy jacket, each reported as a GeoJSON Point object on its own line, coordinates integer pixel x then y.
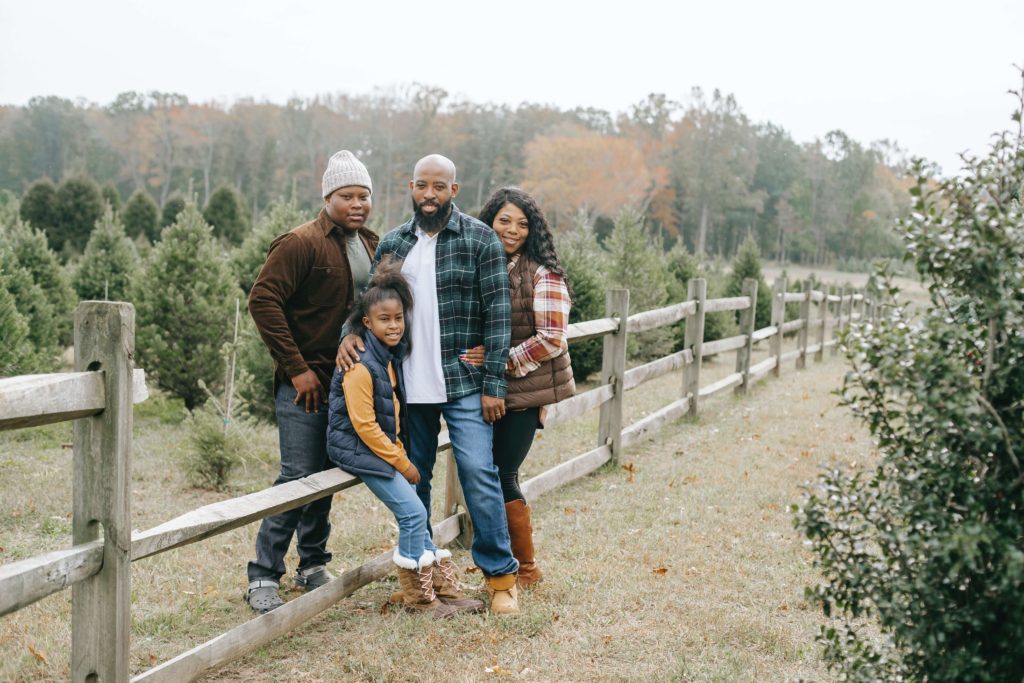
{"type": "Point", "coordinates": [303, 295]}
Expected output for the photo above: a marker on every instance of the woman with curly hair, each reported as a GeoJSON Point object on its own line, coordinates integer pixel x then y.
{"type": "Point", "coordinates": [538, 370]}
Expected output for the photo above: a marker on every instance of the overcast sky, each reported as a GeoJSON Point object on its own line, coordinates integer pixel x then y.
{"type": "Point", "coordinates": [931, 75]}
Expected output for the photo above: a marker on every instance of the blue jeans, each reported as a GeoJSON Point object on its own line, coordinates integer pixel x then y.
{"type": "Point", "coordinates": [471, 443]}
{"type": "Point", "coordinates": [303, 439]}
{"type": "Point", "coordinates": [400, 497]}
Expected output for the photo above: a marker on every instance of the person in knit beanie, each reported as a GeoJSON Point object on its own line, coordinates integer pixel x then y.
{"type": "Point", "coordinates": [302, 296]}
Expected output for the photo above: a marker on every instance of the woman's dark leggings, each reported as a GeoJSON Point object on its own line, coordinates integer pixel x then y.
{"type": "Point", "coordinates": [513, 436]}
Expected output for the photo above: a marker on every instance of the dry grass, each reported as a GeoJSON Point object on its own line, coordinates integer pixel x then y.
{"type": "Point", "coordinates": [684, 567]}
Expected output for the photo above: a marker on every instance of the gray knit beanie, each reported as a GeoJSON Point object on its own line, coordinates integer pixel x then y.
{"type": "Point", "coordinates": [343, 170]}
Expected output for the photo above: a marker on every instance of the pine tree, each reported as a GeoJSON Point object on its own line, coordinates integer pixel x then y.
{"type": "Point", "coordinates": [109, 264]}
{"type": "Point", "coordinates": [184, 300]}
{"type": "Point", "coordinates": [636, 262]}
{"type": "Point", "coordinates": [79, 205]}
{"type": "Point", "coordinates": [174, 206]}
{"type": "Point", "coordinates": [16, 348]}
{"type": "Point", "coordinates": [32, 253]}
{"type": "Point", "coordinates": [247, 260]}
{"type": "Point", "coordinates": [225, 213]}
{"type": "Point", "coordinates": [141, 216]}
{"type": "Point", "coordinates": [39, 207]}
{"type": "Point", "coordinates": [747, 264]}
{"type": "Point", "coordinates": [582, 257]}
{"type": "Point", "coordinates": [112, 196]}
{"type": "Point", "coordinates": [33, 306]}
{"type": "Point", "coordinates": [10, 208]}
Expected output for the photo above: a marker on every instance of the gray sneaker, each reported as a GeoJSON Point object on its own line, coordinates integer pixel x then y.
{"type": "Point", "coordinates": [313, 577]}
{"type": "Point", "coordinates": [263, 595]}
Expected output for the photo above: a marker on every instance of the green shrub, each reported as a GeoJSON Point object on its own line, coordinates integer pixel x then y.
{"type": "Point", "coordinates": [212, 452]}
{"type": "Point", "coordinates": [79, 205]}
{"type": "Point", "coordinates": [582, 258]}
{"type": "Point", "coordinates": [636, 262]}
{"type": "Point", "coordinates": [926, 547]}
{"type": "Point", "coordinates": [33, 255]}
{"type": "Point", "coordinates": [247, 260]}
{"type": "Point", "coordinates": [16, 348]}
{"type": "Point", "coordinates": [141, 216]}
{"type": "Point", "coordinates": [747, 264]}
{"type": "Point", "coordinates": [109, 263]}
{"type": "Point", "coordinates": [225, 214]}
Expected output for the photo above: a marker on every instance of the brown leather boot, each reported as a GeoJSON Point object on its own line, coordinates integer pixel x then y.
{"type": "Point", "coordinates": [503, 594]}
{"type": "Point", "coordinates": [446, 585]}
{"type": "Point", "coordinates": [520, 530]}
{"type": "Point", "coordinates": [418, 591]}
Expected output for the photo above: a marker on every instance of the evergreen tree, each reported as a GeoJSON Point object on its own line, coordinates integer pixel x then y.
{"type": "Point", "coordinates": [10, 208]}
{"type": "Point", "coordinates": [185, 299]}
{"type": "Point", "coordinates": [684, 266]}
{"type": "Point", "coordinates": [636, 262]}
{"type": "Point", "coordinates": [112, 196]}
{"type": "Point", "coordinates": [16, 348]}
{"type": "Point", "coordinates": [141, 216]}
{"type": "Point", "coordinates": [747, 264]}
{"type": "Point", "coordinates": [39, 207]}
{"type": "Point", "coordinates": [79, 205]}
{"type": "Point", "coordinates": [32, 254]}
{"type": "Point", "coordinates": [225, 214]}
{"type": "Point", "coordinates": [109, 263]}
{"type": "Point", "coordinates": [581, 257]}
{"type": "Point", "coordinates": [247, 260]}
{"type": "Point", "coordinates": [33, 306]}
{"type": "Point", "coordinates": [175, 205]}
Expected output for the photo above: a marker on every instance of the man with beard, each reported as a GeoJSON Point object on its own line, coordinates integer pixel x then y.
{"type": "Point", "coordinates": [299, 300]}
{"type": "Point", "coordinates": [457, 269]}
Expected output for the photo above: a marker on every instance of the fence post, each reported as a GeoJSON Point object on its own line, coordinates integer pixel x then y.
{"type": "Point", "coordinates": [819, 355]}
{"type": "Point", "coordinates": [454, 498]}
{"type": "Point", "coordinates": [837, 328]}
{"type": "Point", "coordinates": [613, 371]}
{"type": "Point", "coordinates": [747, 318]}
{"type": "Point", "coordinates": [101, 605]}
{"type": "Point", "coordinates": [778, 318]}
{"type": "Point", "coordinates": [805, 315]}
{"type": "Point", "coordinates": [696, 290]}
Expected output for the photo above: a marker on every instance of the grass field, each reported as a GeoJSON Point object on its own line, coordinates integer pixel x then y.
{"type": "Point", "coordinates": [680, 563]}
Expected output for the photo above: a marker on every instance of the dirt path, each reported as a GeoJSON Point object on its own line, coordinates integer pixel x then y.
{"type": "Point", "coordinates": [683, 567]}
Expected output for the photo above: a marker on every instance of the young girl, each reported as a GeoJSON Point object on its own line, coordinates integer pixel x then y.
{"type": "Point", "coordinates": [364, 422]}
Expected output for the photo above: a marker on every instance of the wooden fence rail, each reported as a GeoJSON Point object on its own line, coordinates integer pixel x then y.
{"type": "Point", "coordinates": [101, 391]}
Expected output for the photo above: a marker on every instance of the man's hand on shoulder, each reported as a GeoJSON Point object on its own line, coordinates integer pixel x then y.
{"type": "Point", "coordinates": [308, 391]}
{"type": "Point", "coordinates": [348, 351]}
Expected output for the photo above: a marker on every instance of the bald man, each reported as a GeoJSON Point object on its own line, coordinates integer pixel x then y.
{"type": "Point", "coordinates": [457, 269]}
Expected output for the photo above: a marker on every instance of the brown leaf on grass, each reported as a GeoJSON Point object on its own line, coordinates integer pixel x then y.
{"type": "Point", "coordinates": [805, 454]}
{"type": "Point", "coordinates": [569, 511]}
{"type": "Point", "coordinates": [631, 468]}
{"type": "Point", "coordinates": [152, 660]}
{"type": "Point", "coordinates": [471, 570]}
{"type": "Point", "coordinates": [38, 654]}
{"type": "Point", "coordinates": [660, 571]}
{"type": "Point", "coordinates": [497, 671]}
{"type": "Point", "coordinates": [606, 638]}
{"type": "Point", "coordinates": [691, 479]}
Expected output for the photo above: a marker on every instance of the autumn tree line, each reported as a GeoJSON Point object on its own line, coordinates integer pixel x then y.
{"type": "Point", "coordinates": [699, 172]}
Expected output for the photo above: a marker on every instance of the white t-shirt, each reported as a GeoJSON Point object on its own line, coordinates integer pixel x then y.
{"type": "Point", "coordinates": [424, 377]}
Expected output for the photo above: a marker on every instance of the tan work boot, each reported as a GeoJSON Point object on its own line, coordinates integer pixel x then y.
{"type": "Point", "coordinates": [446, 584]}
{"type": "Point", "coordinates": [503, 594]}
{"type": "Point", "coordinates": [417, 587]}
{"type": "Point", "coordinates": [520, 530]}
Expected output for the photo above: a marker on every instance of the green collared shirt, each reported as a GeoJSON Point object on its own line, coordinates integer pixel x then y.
{"type": "Point", "coordinates": [472, 300]}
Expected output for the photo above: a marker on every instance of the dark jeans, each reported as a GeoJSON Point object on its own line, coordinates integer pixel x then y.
{"type": "Point", "coordinates": [303, 438]}
{"type": "Point", "coordinates": [513, 436]}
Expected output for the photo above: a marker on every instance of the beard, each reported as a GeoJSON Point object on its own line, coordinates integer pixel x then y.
{"type": "Point", "coordinates": [433, 223]}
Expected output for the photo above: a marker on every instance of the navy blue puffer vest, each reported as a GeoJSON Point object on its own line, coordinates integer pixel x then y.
{"type": "Point", "coordinates": [344, 447]}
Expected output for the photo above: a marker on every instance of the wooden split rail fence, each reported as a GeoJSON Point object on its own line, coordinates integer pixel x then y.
{"type": "Point", "coordinates": [100, 393]}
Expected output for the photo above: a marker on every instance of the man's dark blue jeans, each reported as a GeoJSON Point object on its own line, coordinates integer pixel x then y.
{"type": "Point", "coordinates": [303, 438]}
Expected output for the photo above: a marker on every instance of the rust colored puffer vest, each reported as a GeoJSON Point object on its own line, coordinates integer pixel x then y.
{"type": "Point", "coordinates": [552, 381]}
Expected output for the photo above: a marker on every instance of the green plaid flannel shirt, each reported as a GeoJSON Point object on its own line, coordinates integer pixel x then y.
{"type": "Point", "coordinates": [472, 300]}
